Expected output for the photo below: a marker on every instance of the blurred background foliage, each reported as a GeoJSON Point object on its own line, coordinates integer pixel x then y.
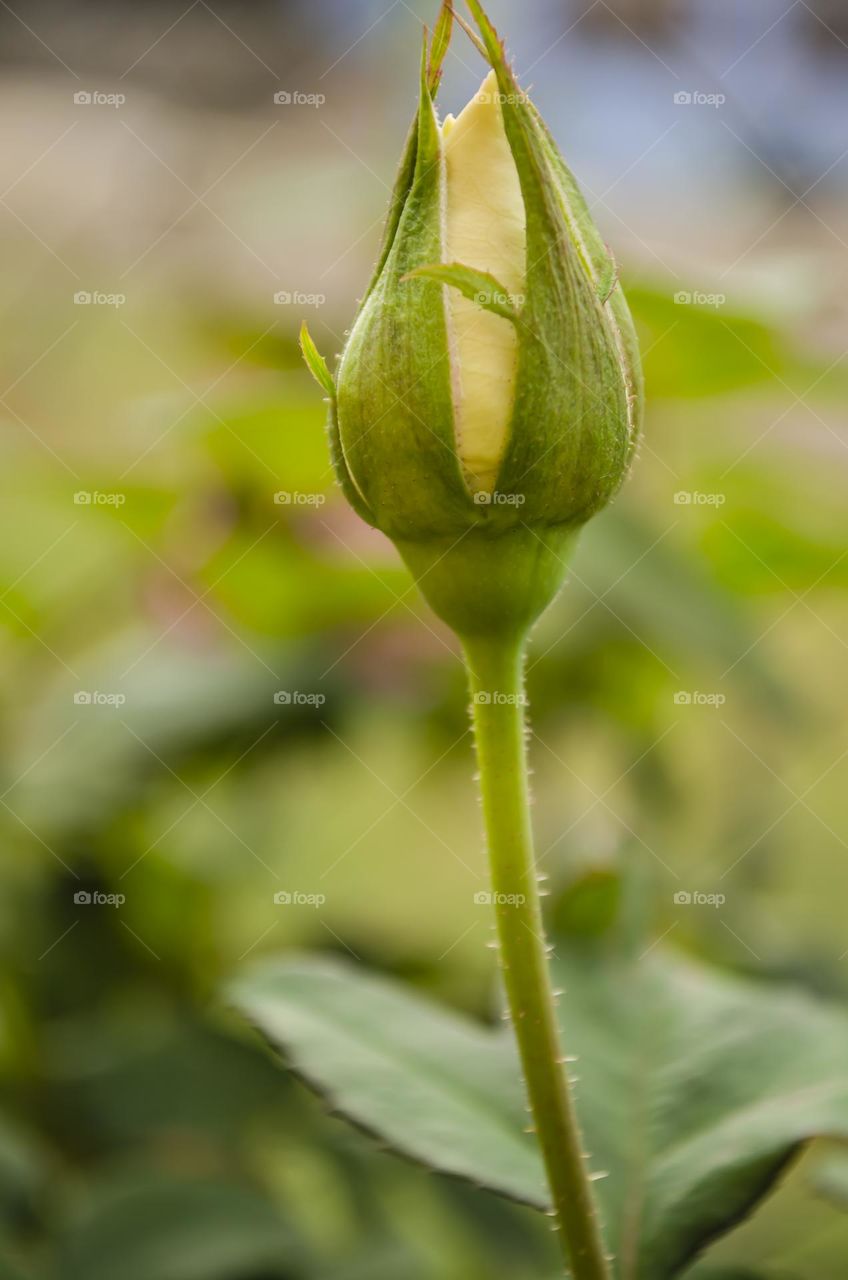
{"type": "Point", "coordinates": [143, 1133]}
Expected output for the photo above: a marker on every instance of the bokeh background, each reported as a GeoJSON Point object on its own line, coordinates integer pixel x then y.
{"type": "Point", "coordinates": [218, 687]}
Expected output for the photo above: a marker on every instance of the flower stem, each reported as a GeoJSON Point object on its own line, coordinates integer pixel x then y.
{"type": "Point", "coordinates": [495, 670]}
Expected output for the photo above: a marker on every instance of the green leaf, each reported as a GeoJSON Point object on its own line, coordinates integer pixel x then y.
{"type": "Point", "coordinates": [479, 286]}
{"type": "Point", "coordinates": [316, 363]}
{"type": "Point", "coordinates": [695, 1089]}
{"type": "Point", "coordinates": [437, 1087]}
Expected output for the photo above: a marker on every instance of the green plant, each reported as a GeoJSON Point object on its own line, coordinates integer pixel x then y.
{"type": "Point", "coordinates": [482, 412]}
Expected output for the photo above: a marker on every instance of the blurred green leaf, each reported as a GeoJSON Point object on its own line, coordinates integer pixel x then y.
{"type": "Point", "coordinates": [831, 1180]}
{"type": "Point", "coordinates": [695, 1089]}
{"type": "Point", "coordinates": [436, 1086]}
{"type": "Point", "coordinates": [184, 1080]}
{"type": "Point", "coordinates": [667, 600]}
{"type": "Point", "coordinates": [733, 1273]}
{"type": "Point", "coordinates": [695, 350]}
{"type": "Point", "coordinates": [23, 1171]}
{"type": "Point", "coordinates": [10, 1269]}
{"type": "Point", "coordinates": [165, 1229]}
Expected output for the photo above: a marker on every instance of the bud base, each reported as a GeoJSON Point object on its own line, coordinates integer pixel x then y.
{"type": "Point", "coordinates": [493, 585]}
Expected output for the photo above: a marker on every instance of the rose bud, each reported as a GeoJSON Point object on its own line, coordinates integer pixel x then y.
{"type": "Point", "coordinates": [489, 395]}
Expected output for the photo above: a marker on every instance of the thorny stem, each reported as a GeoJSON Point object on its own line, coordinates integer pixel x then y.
{"type": "Point", "coordinates": [495, 671]}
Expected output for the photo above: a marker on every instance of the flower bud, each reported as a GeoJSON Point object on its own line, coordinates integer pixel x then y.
{"type": "Point", "coordinates": [488, 398]}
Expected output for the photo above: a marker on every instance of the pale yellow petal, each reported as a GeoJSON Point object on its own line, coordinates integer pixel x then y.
{"type": "Point", "coordinates": [485, 229]}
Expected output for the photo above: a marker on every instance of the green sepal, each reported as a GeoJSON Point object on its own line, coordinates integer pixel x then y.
{"type": "Point", "coordinates": [317, 366]}
{"type": "Point", "coordinates": [571, 436]}
{"type": "Point", "coordinates": [439, 47]}
{"type": "Point", "coordinates": [597, 257]}
{"type": "Point", "coordinates": [315, 363]}
{"type": "Point", "coordinates": [608, 280]}
{"type": "Point", "coordinates": [472, 36]}
{"type": "Point", "coordinates": [479, 286]}
{"type": "Point", "coordinates": [395, 401]}
{"type": "Point", "coordinates": [406, 169]}
{"type": "Point", "coordinates": [340, 467]}
{"type": "Point", "coordinates": [400, 191]}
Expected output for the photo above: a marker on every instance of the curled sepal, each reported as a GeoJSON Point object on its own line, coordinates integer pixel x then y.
{"type": "Point", "coordinates": [315, 363]}
{"type": "Point", "coordinates": [480, 286]}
